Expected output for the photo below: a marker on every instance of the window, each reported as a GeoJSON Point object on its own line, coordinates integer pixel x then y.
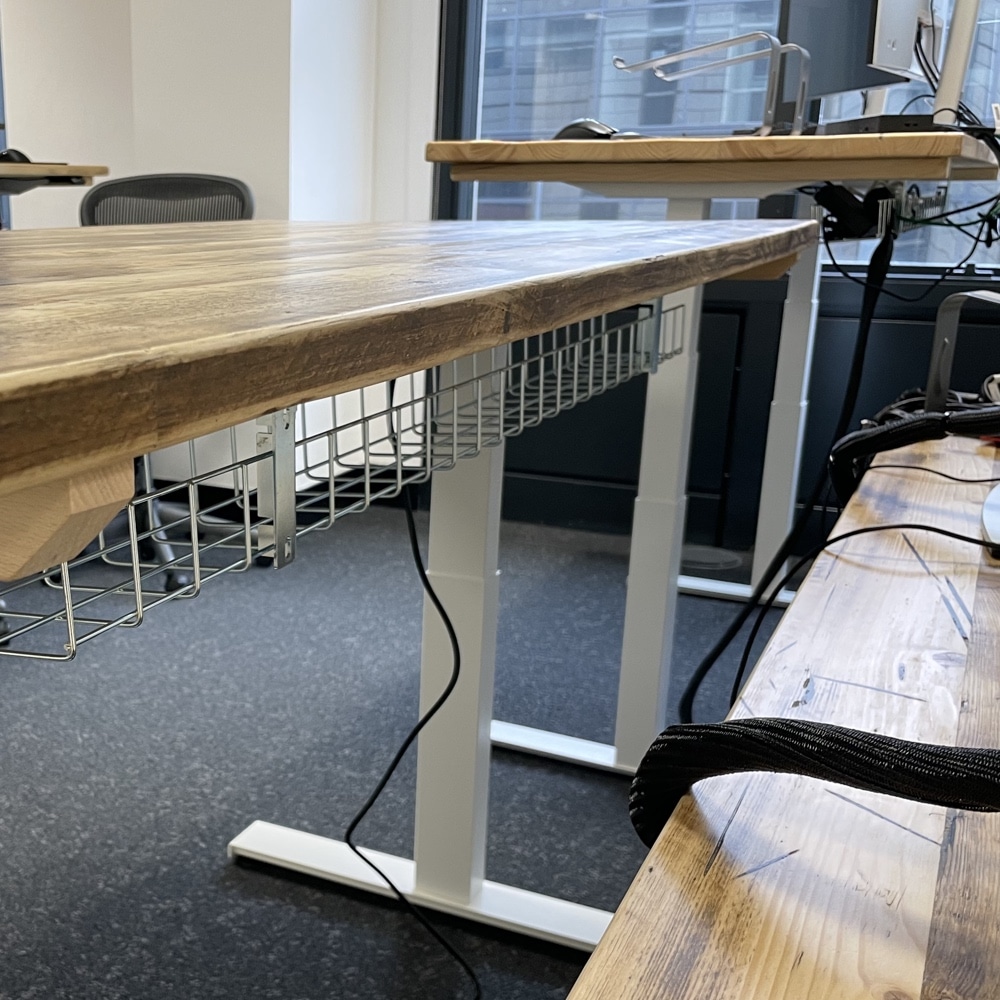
{"type": "Point", "coordinates": [547, 62]}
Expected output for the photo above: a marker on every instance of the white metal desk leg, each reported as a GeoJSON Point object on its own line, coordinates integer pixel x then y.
{"type": "Point", "coordinates": [657, 538]}
{"type": "Point", "coordinates": [453, 752]}
{"type": "Point", "coordinates": [658, 525]}
{"type": "Point", "coordinates": [789, 406]}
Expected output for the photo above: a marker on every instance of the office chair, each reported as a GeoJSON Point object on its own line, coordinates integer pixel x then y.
{"type": "Point", "coordinates": [153, 198]}
{"type": "Point", "coordinates": [164, 198]}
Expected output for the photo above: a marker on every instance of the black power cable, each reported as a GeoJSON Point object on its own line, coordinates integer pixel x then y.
{"type": "Point", "coordinates": [932, 472]}
{"type": "Point", "coordinates": [878, 268]}
{"type": "Point", "coordinates": [405, 745]}
{"type": "Point", "coordinates": [956, 777]}
{"type": "Point", "coordinates": [804, 560]}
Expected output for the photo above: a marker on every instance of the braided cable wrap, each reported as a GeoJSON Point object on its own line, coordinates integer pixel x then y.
{"type": "Point", "coordinates": [954, 777]}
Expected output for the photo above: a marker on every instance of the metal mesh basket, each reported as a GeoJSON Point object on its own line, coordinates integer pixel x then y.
{"type": "Point", "coordinates": [243, 496]}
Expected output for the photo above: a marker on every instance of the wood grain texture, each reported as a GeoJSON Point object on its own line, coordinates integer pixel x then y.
{"type": "Point", "coordinates": [778, 887]}
{"type": "Point", "coordinates": [792, 174]}
{"type": "Point", "coordinates": [44, 525]}
{"type": "Point", "coordinates": [731, 149]}
{"type": "Point", "coordinates": [120, 340]}
{"type": "Point", "coordinates": [797, 160]}
{"type": "Point", "coordinates": [28, 171]}
{"type": "Point", "coordinates": [963, 954]}
{"type": "Point", "coordinates": [767, 272]}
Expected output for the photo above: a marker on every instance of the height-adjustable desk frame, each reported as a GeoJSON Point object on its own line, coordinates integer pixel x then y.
{"type": "Point", "coordinates": [255, 317]}
{"type": "Point", "coordinates": [690, 172]}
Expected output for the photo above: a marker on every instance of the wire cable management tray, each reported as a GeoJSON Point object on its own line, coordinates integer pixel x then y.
{"type": "Point", "coordinates": [299, 470]}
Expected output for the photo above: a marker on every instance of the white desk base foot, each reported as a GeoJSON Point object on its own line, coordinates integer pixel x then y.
{"type": "Point", "coordinates": [571, 749]}
{"type": "Point", "coordinates": [519, 910]}
{"type": "Point", "coordinates": [699, 586]}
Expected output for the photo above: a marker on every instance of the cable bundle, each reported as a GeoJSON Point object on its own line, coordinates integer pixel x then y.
{"type": "Point", "coordinates": [954, 777]}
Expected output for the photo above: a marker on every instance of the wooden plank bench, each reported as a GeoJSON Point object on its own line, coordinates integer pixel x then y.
{"type": "Point", "coordinates": [784, 887]}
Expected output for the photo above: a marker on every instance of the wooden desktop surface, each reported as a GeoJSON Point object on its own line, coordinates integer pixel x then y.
{"type": "Point", "coordinates": [30, 171]}
{"type": "Point", "coordinates": [795, 160]}
{"type": "Point", "coordinates": [778, 887]}
{"type": "Point", "coordinates": [17, 178]}
{"type": "Point", "coordinates": [120, 340]}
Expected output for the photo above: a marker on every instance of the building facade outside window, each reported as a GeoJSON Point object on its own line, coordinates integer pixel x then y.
{"type": "Point", "coordinates": [547, 62]}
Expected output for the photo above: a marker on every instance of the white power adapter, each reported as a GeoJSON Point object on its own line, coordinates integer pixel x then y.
{"type": "Point", "coordinates": [991, 522]}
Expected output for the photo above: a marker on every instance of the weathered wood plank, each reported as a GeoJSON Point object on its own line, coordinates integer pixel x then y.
{"type": "Point", "coordinates": [120, 340]}
{"type": "Point", "coordinates": [782, 887]}
{"type": "Point", "coordinates": [707, 149]}
{"type": "Point", "coordinates": [584, 173]}
{"type": "Point", "coordinates": [721, 159]}
{"type": "Point", "coordinates": [963, 954]}
{"type": "Point", "coordinates": [29, 171]}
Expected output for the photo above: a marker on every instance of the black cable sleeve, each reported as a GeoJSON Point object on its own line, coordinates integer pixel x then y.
{"type": "Point", "coordinates": [878, 268]}
{"type": "Point", "coordinates": [973, 423]}
{"type": "Point", "coordinates": [953, 777]}
{"type": "Point", "coordinates": [848, 457]}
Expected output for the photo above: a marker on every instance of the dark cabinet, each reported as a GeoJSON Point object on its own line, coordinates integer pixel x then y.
{"type": "Point", "coordinates": [581, 469]}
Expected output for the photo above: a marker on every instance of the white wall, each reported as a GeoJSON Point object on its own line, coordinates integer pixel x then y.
{"type": "Point", "coordinates": [68, 93]}
{"type": "Point", "coordinates": [406, 99]}
{"type": "Point", "coordinates": [210, 83]}
{"type": "Point", "coordinates": [322, 106]}
{"type": "Point", "coordinates": [332, 109]}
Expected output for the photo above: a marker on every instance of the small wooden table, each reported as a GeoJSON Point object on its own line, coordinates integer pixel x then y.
{"type": "Point", "coordinates": [16, 178]}
{"type": "Point", "coordinates": [778, 887]}
{"type": "Point", "coordinates": [692, 171]}
{"type": "Point", "coordinates": [122, 339]}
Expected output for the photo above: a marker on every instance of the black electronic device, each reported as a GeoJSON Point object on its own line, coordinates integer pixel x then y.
{"type": "Point", "coordinates": [879, 124]}
{"type": "Point", "coordinates": [13, 156]}
{"type": "Point", "coordinates": [841, 45]}
{"type": "Point", "coordinates": [840, 42]}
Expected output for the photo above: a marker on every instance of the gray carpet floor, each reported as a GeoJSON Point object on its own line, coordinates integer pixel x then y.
{"type": "Point", "coordinates": [281, 695]}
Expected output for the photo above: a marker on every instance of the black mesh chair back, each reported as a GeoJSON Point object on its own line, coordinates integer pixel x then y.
{"type": "Point", "coordinates": [152, 198]}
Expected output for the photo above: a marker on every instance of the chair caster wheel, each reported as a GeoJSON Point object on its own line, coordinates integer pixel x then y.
{"type": "Point", "coordinates": [177, 581]}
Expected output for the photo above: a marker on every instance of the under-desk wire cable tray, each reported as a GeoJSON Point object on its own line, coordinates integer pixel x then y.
{"type": "Point", "coordinates": [242, 498]}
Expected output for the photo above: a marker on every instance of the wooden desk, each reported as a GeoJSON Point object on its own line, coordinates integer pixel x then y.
{"type": "Point", "coordinates": [692, 171]}
{"type": "Point", "coordinates": [736, 166]}
{"type": "Point", "coordinates": [777, 887]}
{"type": "Point", "coordinates": [183, 329]}
{"type": "Point", "coordinates": [16, 178]}
{"type": "Point", "coordinates": [119, 340]}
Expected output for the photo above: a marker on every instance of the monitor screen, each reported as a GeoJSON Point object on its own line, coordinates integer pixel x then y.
{"type": "Point", "coordinates": [840, 40]}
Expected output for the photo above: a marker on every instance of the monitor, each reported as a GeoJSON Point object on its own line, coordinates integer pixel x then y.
{"type": "Point", "coordinates": [839, 38]}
